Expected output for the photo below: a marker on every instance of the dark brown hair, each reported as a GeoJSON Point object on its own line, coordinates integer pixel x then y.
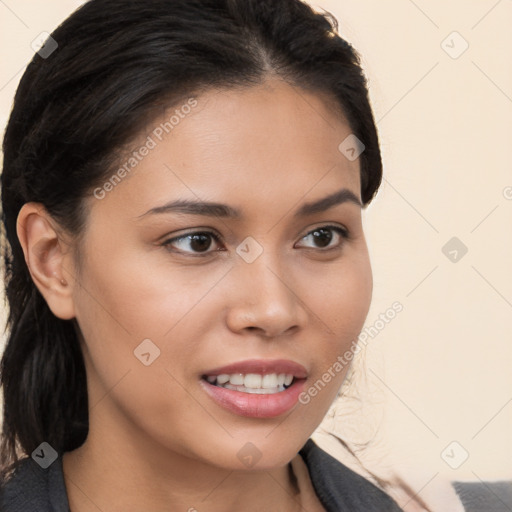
{"type": "Point", "coordinates": [73, 112]}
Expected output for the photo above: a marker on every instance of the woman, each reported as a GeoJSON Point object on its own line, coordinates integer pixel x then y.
{"type": "Point", "coordinates": [182, 194]}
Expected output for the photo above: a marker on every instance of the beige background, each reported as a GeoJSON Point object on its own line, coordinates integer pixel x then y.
{"type": "Point", "coordinates": [441, 370]}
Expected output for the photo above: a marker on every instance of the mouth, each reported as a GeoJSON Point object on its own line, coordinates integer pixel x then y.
{"type": "Point", "coordinates": [252, 383]}
{"type": "Point", "coordinates": [256, 388]}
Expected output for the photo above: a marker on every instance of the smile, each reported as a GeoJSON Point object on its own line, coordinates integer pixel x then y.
{"type": "Point", "coordinates": [256, 388]}
{"type": "Point", "coordinates": [252, 382]}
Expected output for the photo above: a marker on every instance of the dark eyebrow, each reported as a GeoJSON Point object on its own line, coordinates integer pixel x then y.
{"type": "Point", "coordinates": [343, 196]}
{"type": "Point", "coordinates": [190, 207]}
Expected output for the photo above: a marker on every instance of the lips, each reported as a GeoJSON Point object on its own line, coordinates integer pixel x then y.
{"type": "Point", "coordinates": [256, 388]}
{"type": "Point", "coordinates": [262, 367]}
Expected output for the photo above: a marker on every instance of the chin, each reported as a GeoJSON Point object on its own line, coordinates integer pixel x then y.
{"type": "Point", "coordinates": [249, 452]}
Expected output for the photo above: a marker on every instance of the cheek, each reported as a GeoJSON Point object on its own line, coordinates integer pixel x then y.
{"type": "Point", "coordinates": [136, 298]}
{"type": "Point", "coordinates": [339, 301]}
{"type": "Point", "coordinates": [125, 304]}
{"type": "Point", "coordinates": [339, 298]}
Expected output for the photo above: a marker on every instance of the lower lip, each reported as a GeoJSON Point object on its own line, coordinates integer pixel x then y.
{"type": "Point", "coordinates": [255, 406]}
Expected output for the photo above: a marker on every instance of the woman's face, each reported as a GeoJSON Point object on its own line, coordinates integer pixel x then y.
{"type": "Point", "coordinates": [276, 289]}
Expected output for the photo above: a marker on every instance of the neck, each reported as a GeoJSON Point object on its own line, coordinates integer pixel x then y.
{"type": "Point", "coordinates": [114, 472]}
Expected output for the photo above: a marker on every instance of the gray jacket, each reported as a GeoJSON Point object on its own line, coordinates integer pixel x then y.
{"type": "Point", "coordinates": [33, 489]}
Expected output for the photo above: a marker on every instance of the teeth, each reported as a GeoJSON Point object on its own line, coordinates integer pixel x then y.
{"type": "Point", "coordinates": [269, 381]}
{"type": "Point", "coordinates": [221, 379]}
{"type": "Point", "coordinates": [254, 391]}
{"type": "Point", "coordinates": [252, 382]}
{"type": "Point", "coordinates": [237, 379]}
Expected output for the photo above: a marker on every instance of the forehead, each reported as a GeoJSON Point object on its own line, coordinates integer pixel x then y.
{"type": "Point", "coordinates": [256, 146]}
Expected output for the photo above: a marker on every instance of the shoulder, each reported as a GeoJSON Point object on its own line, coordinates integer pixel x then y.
{"type": "Point", "coordinates": [340, 488]}
{"type": "Point", "coordinates": [485, 496]}
{"type": "Point", "coordinates": [30, 487]}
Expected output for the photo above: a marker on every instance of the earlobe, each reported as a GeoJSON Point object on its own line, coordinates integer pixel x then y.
{"type": "Point", "coordinates": [47, 258]}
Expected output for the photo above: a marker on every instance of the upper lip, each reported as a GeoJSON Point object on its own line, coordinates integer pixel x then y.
{"type": "Point", "coordinates": [262, 367]}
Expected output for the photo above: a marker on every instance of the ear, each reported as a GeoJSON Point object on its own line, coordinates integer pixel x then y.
{"type": "Point", "coordinates": [48, 258]}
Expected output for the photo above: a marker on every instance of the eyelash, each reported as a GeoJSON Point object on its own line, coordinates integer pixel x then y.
{"type": "Point", "coordinates": [344, 233]}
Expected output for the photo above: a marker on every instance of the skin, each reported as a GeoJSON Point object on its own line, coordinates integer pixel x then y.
{"type": "Point", "coordinates": [157, 441]}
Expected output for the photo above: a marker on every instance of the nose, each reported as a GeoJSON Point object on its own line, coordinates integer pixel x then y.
{"type": "Point", "coordinates": [266, 299]}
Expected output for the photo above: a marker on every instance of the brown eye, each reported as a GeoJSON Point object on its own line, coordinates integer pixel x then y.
{"type": "Point", "coordinates": [323, 236]}
{"type": "Point", "coordinates": [192, 243]}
